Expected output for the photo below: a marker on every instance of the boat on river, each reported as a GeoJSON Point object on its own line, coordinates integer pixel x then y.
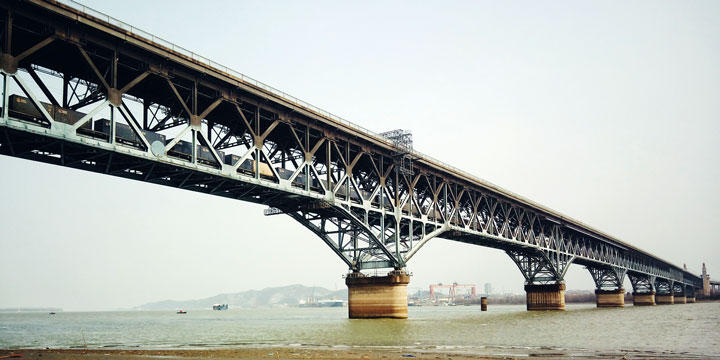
{"type": "Point", "coordinates": [330, 303]}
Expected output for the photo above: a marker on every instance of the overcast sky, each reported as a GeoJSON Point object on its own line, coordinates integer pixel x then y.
{"type": "Point", "coordinates": [607, 111]}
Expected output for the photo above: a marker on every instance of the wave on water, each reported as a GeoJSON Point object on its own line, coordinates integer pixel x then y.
{"type": "Point", "coordinates": [510, 332]}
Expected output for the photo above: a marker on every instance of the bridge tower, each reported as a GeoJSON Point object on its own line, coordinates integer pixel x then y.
{"type": "Point", "coordinates": [705, 281]}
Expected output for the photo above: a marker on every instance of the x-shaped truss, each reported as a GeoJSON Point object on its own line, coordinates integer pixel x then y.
{"type": "Point", "coordinates": [355, 240]}
{"type": "Point", "coordinates": [678, 289]}
{"type": "Point", "coordinates": [642, 283]}
{"type": "Point", "coordinates": [663, 286]}
{"type": "Point", "coordinates": [541, 267]}
{"type": "Point", "coordinates": [608, 278]}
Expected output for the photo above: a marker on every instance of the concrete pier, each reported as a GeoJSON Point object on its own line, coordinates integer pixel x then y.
{"type": "Point", "coordinates": [545, 297]}
{"type": "Point", "coordinates": [610, 298]}
{"type": "Point", "coordinates": [664, 299]}
{"type": "Point", "coordinates": [372, 297]}
{"type": "Point", "coordinates": [643, 299]}
{"type": "Point", "coordinates": [690, 299]}
{"type": "Point", "coordinates": [680, 299]}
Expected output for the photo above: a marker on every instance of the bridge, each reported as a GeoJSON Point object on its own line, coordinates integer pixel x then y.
{"type": "Point", "coordinates": [710, 289]}
{"type": "Point", "coordinates": [87, 91]}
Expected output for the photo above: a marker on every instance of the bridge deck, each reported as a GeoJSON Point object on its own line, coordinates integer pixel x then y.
{"type": "Point", "coordinates": [277, 129]}
{"type": "Point", "coordinates": [169, 50]}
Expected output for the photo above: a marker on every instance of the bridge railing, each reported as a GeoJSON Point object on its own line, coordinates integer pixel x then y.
{"type": "Point", "coordinates": [205, 61]}
{"type": "Point", "coordinates": [249, 80]}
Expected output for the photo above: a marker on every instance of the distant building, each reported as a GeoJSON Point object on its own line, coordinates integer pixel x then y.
{"type": "Point", "coordinates": [488, 288]}
{"type": "Point", "coordinates": [706, 281]}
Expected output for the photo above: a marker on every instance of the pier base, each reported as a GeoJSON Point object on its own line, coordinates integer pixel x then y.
{"type": "Point", "coordinates": [664, 299]}
{"type": "Point", "coordinates": [680, 299]}
{"type": "Point", "coordinates": [610, 298]}
{"type": "Point", "coordinates": [690, 299]}
{"type": "Point", "coordinates": [545, 297]}
{"type": "Point", "coordinates": [643, 299]}
{"type": "Point", "coordinates": [373, 297]}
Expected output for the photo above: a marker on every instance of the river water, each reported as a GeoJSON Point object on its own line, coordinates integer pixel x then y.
{"type": "Point", "coordinates": [691, 330]}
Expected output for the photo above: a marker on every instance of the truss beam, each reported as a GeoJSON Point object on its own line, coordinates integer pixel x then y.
{"type": "Point", "coordinates": [227, 135]}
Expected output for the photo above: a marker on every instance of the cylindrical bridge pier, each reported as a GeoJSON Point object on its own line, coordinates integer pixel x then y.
{"type": "Point", "coordinates": [610, 298]}
{"type": "Point", "coordinates": [372, 297]}
{"type": "Point", "coordinates": [643, 299]}
{"type": "Point", "coordinates": [545, 297]}
{"type": "Point", "coordinates": [664, 299]}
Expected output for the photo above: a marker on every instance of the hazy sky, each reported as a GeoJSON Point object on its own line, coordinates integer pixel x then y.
{"type": "Point", "coordinates": [607, 111]}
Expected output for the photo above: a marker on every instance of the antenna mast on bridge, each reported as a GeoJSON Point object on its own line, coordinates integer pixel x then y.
{"type": "Point", "coordinates": [402, 139]}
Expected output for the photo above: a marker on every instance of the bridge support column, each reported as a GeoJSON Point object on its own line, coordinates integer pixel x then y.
{"type": "Point", "coordinates": [643, 299]}
{"type": "Point", "coordinates": [545, 297]}
{"type": "Point", "coordinates": [690, 294]}
{"type": "Point", "coordinates": [664, 292]}
{"type": "Point", "coordinates": [678, 291]}
{"type": "Point", "coordinates": [609, 290]}
{"type": "Point", "coordinates": [643, 289]}
{"type": "Point", "coordinates": [610, 298]}
{"type": "Point", "coordinates": [356, 242]}
{"type": "Point", "coordinates": [372, 297]}
{"type": "Point", "coordinates": [543, 272]}
{"type": "Point", "coordinates": [690, 299]}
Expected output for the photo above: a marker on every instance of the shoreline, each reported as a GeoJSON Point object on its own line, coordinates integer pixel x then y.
{"type": "Point", "coordinates": [239, 353]}
{"type": "Point", "coordinates": [351, 353]}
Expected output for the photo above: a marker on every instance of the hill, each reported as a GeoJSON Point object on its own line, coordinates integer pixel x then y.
{"type": "Point", "coordinates": [277, 296]}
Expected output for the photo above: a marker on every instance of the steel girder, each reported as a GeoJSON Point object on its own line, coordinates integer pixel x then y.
{"type": "Point", "coordinates": [355, 241]}
{"type": "Point", "coordinates": [678, 289]}
{"type": "Point", "coordinates": [664, 286]}
{"type": "Point", "coordinates": [642, 283]}
{"type": "Point", "coordinates": [608, 278]}
{"type": "Point", "coordinates": [541, 267]}
{"type": "Point", "coordinates": [299, 156]}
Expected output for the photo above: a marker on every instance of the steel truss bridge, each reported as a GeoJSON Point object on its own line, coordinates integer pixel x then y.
{"type": "Point", "coordinates": [375, 203]}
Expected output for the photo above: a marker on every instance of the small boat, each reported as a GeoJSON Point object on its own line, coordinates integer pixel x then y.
{"type": "Point", "coordinates": [220, 307]}
{"type": "Point", "coordinates": [330, 303]}
{"type": "Point", "coordinates": [181, 312]}
{"type": "Point", "coordinates": [52, 313]}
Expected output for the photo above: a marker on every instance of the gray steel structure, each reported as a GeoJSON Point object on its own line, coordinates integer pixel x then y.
{"type": "Point", "coordinates": [351, 187]}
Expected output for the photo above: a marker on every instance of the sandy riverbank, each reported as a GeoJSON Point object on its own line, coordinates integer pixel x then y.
{"type": "Point", "coordinates": [235, 353]}
{"type": "Point", "coordinates": [335, 353]}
